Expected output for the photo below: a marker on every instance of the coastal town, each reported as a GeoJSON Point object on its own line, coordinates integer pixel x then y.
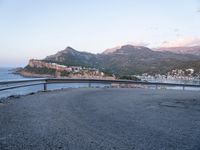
{"type": "Point", "coordinates": [176, 75]}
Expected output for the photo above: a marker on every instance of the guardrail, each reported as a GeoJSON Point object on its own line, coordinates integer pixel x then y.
{"type": "Point", "coordinates": [7, 85]}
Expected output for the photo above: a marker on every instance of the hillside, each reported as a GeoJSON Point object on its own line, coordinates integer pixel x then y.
{"type": "Point", "coordinates": [127, 60]}
{"type": "Point", "coordinates": [194, 50]}
{"type": "Point", "coordinates": [72, 57]}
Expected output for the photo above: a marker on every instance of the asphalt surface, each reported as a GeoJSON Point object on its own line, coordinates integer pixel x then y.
{"type": "Point", "coordinates": [101, 119]}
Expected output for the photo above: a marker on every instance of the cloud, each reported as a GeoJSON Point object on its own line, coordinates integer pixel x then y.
{"type": "Point", "coordinates": [139, 43]}
{"type": "Point", "coordinates": [176, 30]}
{"type": "Point", "coordinates": [182, 42]}
{"type": "Point", "coordinates": [153, 28]}
{"type": "Point", "coordinates": [198, 8]}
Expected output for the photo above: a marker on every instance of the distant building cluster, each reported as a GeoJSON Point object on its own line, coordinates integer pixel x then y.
{"type": "Point", "coordinates": [57, 67]}
{"type": "Point", "coordinates": [180, 74]}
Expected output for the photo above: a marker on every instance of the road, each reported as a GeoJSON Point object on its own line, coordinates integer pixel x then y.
{"type": "Point", "coordinates": [101, 119]}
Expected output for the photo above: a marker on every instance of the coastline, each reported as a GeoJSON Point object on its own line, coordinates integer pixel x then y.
{"type": "Point", "coordinates": [32, 75]}
{"type": "Point", "coordinates": [27, 74]}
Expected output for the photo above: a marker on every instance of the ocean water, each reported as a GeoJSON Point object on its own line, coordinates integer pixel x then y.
{"type": "Point", "coordinates": [6, 74]}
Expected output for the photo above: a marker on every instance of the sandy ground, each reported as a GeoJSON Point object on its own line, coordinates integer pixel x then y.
{"type": "Point", "coordinates": [98, 119]}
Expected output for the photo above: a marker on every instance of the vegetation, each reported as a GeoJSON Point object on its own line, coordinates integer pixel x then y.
{"type": "Point", "coordinates": [42, 70]}
{"type": "Point", "coordinates": [129, 78]}
{"type": "Point", "coordinates": [64, 73]}
{"type": "Point", "coordinates": [128, 61]}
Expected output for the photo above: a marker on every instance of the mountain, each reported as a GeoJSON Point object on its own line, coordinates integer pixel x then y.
{"type": "Point", "coordinates": [72, 57]}
{"type": "Point", "coordinates": [195, 50]}
{"type": "Point", "coordinates": [127, 60]}
{"type": "Point", "coordinates": [111, 50]}
{"type": "Point", "coordinates": [138, 59]}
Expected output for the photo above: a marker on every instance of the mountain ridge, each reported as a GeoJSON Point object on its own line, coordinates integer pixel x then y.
{"type": "Point", "coordinates": [193, 50]}
{"type": "Point", "coordinates": [127, 60]}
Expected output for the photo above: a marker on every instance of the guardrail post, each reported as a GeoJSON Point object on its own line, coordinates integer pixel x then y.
{"type": "Point", "coordinates": [89, 85]}
{"type": "Point", "coordinates": [45, 85]}
{"type": "Point", "coordinates": [156, 86]}
{"type": "Point", "coordinates": [183, 88]}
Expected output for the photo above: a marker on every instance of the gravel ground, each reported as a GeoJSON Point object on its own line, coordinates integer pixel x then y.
{"type": "Point", "coordinates": [101, 119]}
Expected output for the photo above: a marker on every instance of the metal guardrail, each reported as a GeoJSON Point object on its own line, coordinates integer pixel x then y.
{"type": "Point", "coordinates": [6, 85]}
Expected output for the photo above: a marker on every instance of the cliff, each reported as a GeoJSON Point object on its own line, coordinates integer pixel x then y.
{"type": "Point", "coordinates": [39, 68]}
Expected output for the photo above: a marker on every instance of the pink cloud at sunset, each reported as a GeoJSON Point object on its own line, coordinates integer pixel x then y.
{"type": "Point", "coordinates": [182, 42]}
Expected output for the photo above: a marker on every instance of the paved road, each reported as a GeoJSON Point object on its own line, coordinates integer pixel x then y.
{"type": "Point", "coordinates": [98, 119]}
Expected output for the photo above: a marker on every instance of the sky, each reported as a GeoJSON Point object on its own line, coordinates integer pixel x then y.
{"type": "Point", "coordinates": [37, 28]}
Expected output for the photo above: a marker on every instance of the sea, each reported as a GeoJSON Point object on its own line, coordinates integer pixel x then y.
{"type": "Point", "coordinates": [6, 74]}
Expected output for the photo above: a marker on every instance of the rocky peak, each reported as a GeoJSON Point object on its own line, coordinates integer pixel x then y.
{"type": "Point", "coordinates": [126, 49]}
{"type": "Point", "coordinates": [68, 50]}
{"type": "Point", "coordinates": [111, 50]}
{"type": "Point", "coordinates": [194, 50]}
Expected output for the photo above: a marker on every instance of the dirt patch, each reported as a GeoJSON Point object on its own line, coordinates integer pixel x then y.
{"type": "Point", "coordinates": [173, 104]}
{"type": "Point", "coordinates": [189, 103]}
